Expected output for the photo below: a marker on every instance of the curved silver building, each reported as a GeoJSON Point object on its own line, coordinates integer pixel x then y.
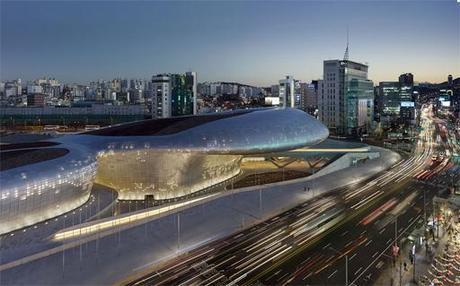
{"type": "Point", "coordinates": [162, 159]}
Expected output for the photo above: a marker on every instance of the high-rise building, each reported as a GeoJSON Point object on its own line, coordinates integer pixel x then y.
{"type": "Point", "coordinates": [346, 99]}
{"type": "Point", "coordinates": [34, 88]}
{"type": "Point", "coordinates": [450, 80]}
{"type": "Point", "coordinates": [388, 99]}
{"type": "Point", "coordinates": [116, 85]}
{"type": "Point", "coordinates": [406, 79]}
{"type": "Point", "coordinates": [407, 112]}
{"type": "Point", "coordinates": [161, 99]}
{"type": "Point", "coordinates": [174, 95]}
{"type": "Point", "coordinates": [36, 99]}
{"type": "Point", "coordinates": [309, 95]}
{"type": "Point", "coordinates": [387, 103]}
{"type": "Point", "coordinates": [287, 92]}
{"type": "Point", "coordinates": [124, 85]}
{"type": "Point", "coordinates": [183, 94]}
{"type": "Point", "coordinates": [395, 101]}
{"type": "Point", "coordinates": [12, 88]}
{"type": "Point", "coordinates": [275, 90]}
{"type": "Point", "coordinates": [406, 86]}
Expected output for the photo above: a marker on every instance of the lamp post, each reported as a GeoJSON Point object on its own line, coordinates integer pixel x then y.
{"type": "Point", "coordinates": [396, 251]}
{"type": "Point", "coordinates": [425, 222]}
{"type": "Point", "coordinates": [413, 255]}
{"type": "Point", "coordinates": [178, 231]}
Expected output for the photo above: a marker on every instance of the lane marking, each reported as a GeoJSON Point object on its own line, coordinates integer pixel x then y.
{"type": "Point", "coordinates": [332, 274]}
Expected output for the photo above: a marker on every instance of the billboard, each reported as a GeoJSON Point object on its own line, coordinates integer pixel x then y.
{"type": "Point", "coordinates": [272, 100]}
{"type": "Point", "coordinates": [407, 104]}
{"type": "Point", "coordinates": [445, 103]}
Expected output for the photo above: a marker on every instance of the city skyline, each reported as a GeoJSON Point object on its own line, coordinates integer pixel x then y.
{"type": "Point", "coordinates": [249, 42]}
{"type": "Point", "coordinates": [208, 142]}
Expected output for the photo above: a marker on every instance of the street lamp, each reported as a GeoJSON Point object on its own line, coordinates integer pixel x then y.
{"type": "Point", "coordinates": [413, 255]}
{"type": "Point", "coordinates": [346, 263]}
{"type": "Point", "coordinates": [425, 222]}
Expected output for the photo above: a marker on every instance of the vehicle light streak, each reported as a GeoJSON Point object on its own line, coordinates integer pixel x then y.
{"type": "Point", "coordinates": [378, 212]}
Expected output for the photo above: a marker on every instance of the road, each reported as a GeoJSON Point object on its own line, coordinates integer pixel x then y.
{"type": "Point", "coordinates": [310, 243]}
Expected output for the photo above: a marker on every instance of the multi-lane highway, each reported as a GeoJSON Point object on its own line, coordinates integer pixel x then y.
{"type": "Point", "coordinates": [343, 237]}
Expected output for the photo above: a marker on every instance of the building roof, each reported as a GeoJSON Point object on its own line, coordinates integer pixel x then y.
{"type": "Point", "coordinates": [18, 158]}
{"type": "Point", "coordinates": [241, 132]}
{"type": "Point", "coordinates": [164, 126]}
{"type": "Point", "coordinates": [38, 144]}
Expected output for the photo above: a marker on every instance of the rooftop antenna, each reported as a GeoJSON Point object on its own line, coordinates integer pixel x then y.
{"type": "Point", "coordinates": [345, 56]}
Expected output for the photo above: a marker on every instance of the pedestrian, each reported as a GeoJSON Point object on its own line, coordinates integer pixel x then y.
{"type": "Point", "coordinates": [405, 266]}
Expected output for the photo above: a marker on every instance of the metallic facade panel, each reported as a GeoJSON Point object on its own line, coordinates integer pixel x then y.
{"type": "Point", "coordinates": [163, 175]}
{"type": "Point", "coordinates": [165, 166]}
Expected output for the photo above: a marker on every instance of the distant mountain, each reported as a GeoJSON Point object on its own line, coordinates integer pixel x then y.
{"type": "Point", "coordinates": [456, 82]}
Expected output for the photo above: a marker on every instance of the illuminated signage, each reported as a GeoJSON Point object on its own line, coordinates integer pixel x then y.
{"type": "Point", "coordinates": [445, 103]}
{"type": "Point", "coordinates": [272, 100]}
{"type": "Point", "coordinates": [407, 104]}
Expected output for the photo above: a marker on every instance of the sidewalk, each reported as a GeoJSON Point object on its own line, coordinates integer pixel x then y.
{"type": "Point", "coordinates": [445, 268]}
{"type": "Point", "coordinates": [397, 274]}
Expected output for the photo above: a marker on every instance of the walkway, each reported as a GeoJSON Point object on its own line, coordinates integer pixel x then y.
{"type": "Point", "coordinates": [439, 265]}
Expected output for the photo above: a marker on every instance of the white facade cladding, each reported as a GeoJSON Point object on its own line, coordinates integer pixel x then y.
{"type": "Point", "coordinates": [287, 92]}
{"type": "Point", "coordinates": [161, 99]}
{"type": "Point", "coordinates": [196, 152]}
{"type": "Point", "coordinates": [194, 81]}
{"type": "Point", "coordinates": [40, 191]}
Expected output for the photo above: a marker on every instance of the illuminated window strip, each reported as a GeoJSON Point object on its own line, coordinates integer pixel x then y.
{"type": "Point", "coordinates": [99, 226]}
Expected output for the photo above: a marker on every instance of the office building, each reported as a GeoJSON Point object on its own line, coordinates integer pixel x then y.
{"type": "Point", "coordinates": [388, 99]}
{"type": "Point", "coordinates": [387, 103]}
{"type": "Point", "coordinates": [275, 90]}
{"type": "Point", "coordinates": [395, 101]}
{"type": "Point", "coordinates": [36, 100]}
{"type": "Point", "coordinates": [407, 112]}
{"type": "Point", "coordinates": [406, 86]}
{"type": "Point", "coordinates": [309, 96]}
{"type": "Point", "coordinates": [346, 97]}
{"type": "Point", "coordinates": [174, 95]}
{"type": "Point", "coordinates": [287, 92]}
{"type": "Point", "coordinates": [34, 88]}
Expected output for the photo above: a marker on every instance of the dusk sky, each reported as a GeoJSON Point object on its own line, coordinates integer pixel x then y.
{"type": "Point", "coordinates": [249, 42]}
